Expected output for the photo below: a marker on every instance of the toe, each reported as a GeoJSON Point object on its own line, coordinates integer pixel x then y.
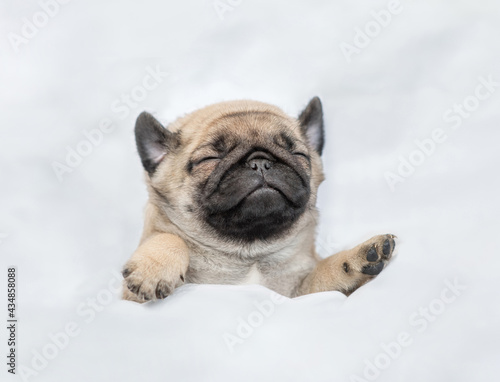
{"type": "Point", "coordinates": [162, 290]}
{"type": "Point", "coordinates": [133, 287]}
{"type": "Point", "coordinates": [126, 272]}
{"type": "Point", "coordinates": [145, 296]}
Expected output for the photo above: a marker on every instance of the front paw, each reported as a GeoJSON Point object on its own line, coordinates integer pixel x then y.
{"type": "Point", "coordinates": [367, 260]}
{"type": "Point", "coordinates": [157, 267]}
{"type": "Point", "coordinates": [149, 279]}
{"type": "Point", "coordinates": [376, 253]}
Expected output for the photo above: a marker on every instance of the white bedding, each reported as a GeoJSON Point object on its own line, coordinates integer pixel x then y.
{"type": "Point", "coordinates": [432, 315]}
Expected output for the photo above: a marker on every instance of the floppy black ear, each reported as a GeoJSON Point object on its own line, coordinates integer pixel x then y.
{"type": "Point", "coordinates": [311, 123]}
{"type": "Point", "coordinates": [153, 141]}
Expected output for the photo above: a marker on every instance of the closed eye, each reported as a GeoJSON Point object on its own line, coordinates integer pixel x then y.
{"type": "Point", "coordinates": [206, 159]}
{"type": "Point", "coordinates": [302, 155]}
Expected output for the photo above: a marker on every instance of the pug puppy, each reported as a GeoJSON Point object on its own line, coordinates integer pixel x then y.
{"type": "Point", "coordinates": [232, 193]}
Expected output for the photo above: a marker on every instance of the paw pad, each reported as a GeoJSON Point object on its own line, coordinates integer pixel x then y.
{"type": "Point", "coordinates": [374, 269]}
{"type": "Point", "coordinates": [388, 247]}
{"type": "Point", "coordinates": [346, 267]}
{"type": "Point", "coordinates": [372, 254]}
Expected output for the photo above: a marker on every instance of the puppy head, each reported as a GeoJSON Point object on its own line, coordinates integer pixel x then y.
{"type": "Point", "coordinates": [234, 172]}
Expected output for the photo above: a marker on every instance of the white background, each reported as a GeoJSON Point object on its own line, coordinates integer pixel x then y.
{"type": "Point", "coordinates": [67, 237]}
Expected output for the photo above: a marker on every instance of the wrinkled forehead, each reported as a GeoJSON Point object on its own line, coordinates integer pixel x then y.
{"type": "Point", "coordinates": [256, 128]}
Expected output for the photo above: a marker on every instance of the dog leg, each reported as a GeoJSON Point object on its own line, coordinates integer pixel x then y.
{"type": "Point", "coordinates": [346, 271]}
{"type": "Point", "coordinates": [156, 268]}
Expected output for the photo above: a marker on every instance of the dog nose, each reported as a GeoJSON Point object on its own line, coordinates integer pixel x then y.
{"type": "Point", "coordinates": [260, 164]}
{"type": "Point", "coordinates": [259, 161]}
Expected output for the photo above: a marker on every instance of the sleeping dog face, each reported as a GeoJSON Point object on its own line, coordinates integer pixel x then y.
{"type": "Point", "coordinates": [240, 172]}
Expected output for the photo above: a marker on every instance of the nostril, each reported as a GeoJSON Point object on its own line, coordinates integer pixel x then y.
{"type": "Point", "coordinates": [260, 164]}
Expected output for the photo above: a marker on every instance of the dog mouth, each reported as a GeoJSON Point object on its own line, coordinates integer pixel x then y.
{"type": "Point", "coordinates": [269, 187]}
{"type": "Point", "coordinates": [264, 190]}
{"type": "Point", "coordinates": [267, 198]}
{"type": "Point", "coordinates": [234, 189]}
